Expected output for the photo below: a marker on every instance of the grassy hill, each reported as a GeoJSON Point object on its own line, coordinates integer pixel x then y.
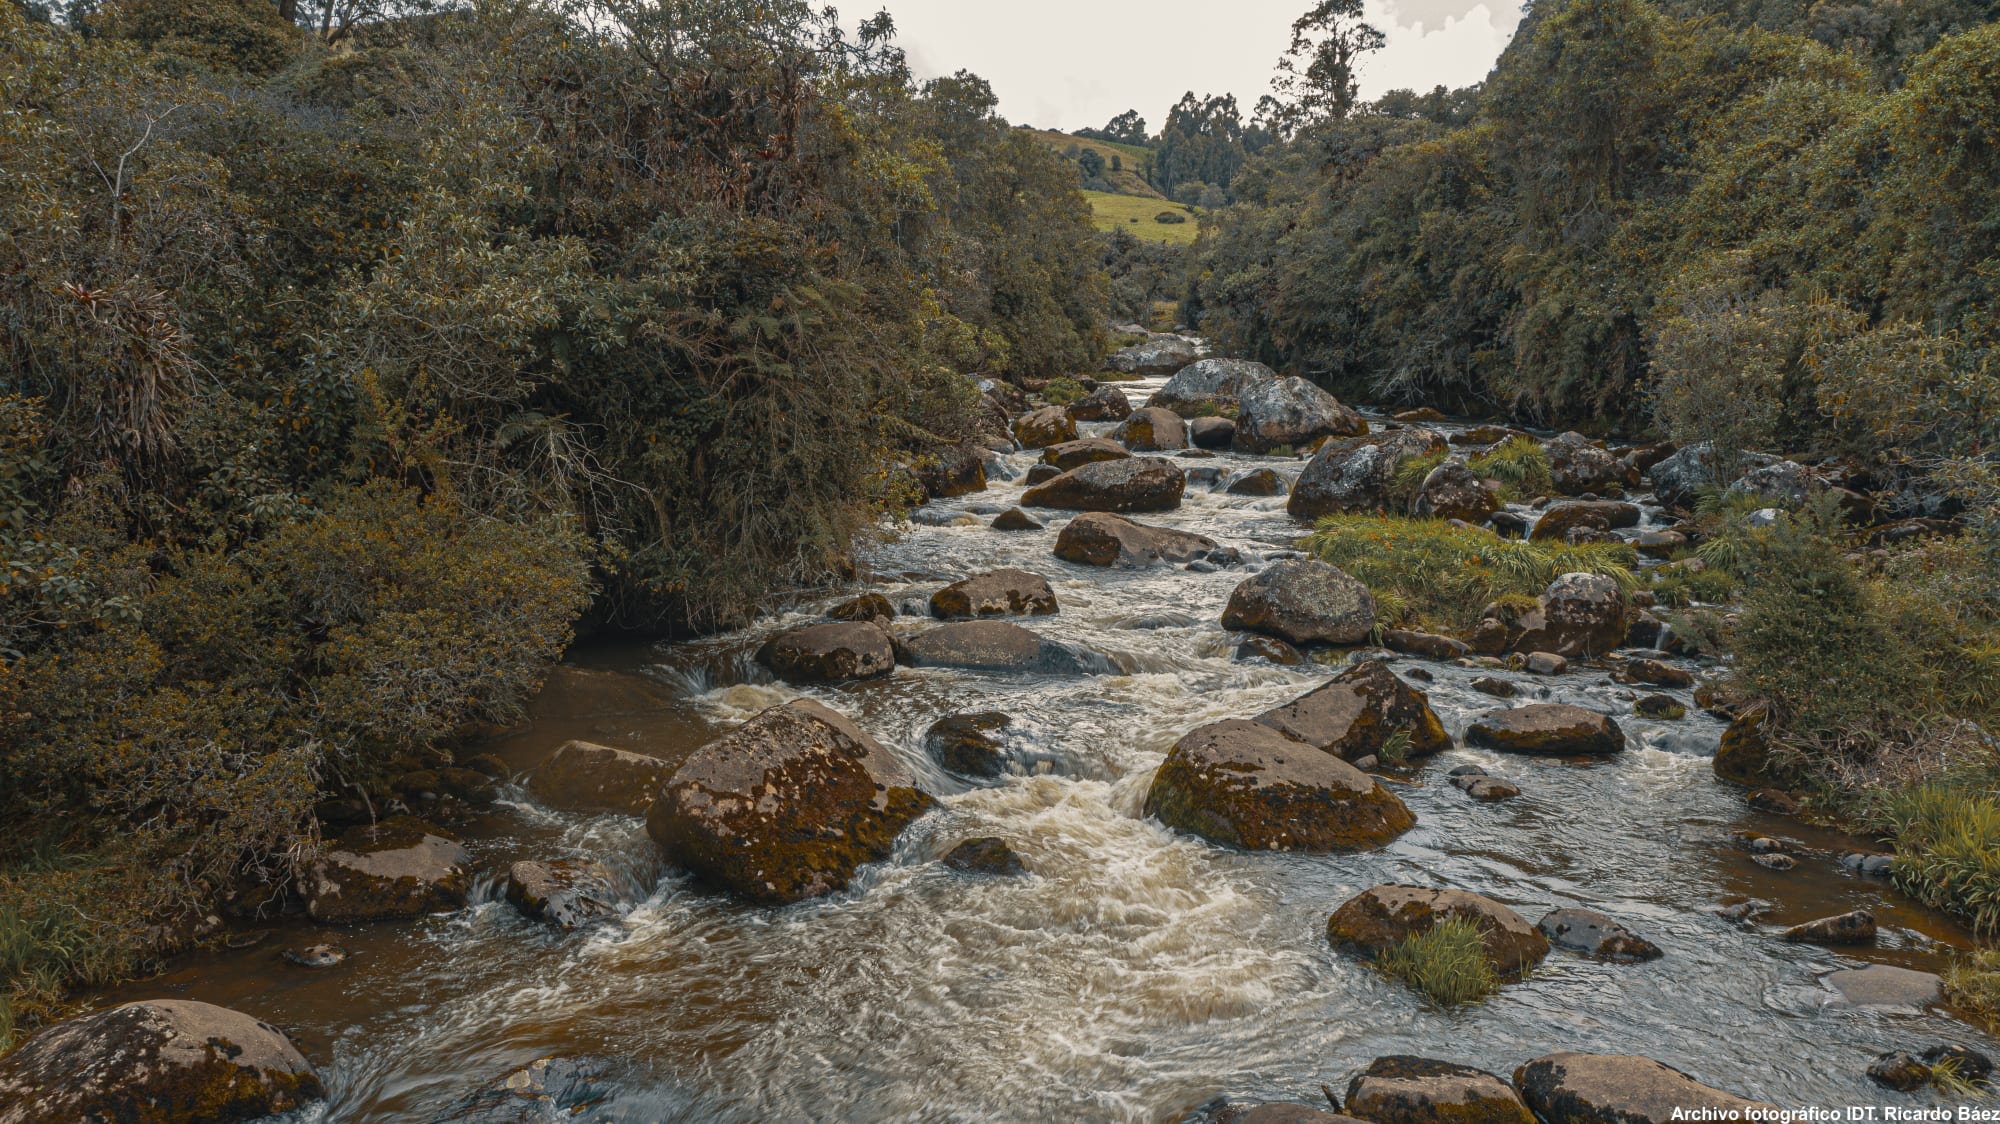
{"type": "Point", "coordinates": [1128, 180]}
{"type": "Point", "coordinates": [1134, 214]}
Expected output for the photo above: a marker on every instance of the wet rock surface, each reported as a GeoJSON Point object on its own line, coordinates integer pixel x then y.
{"type": "Point", "coordinates": [1547, 729]}
{"type": "Point", "coordinates": [1135, 484]}
{"type": "Point", "coordinates": [1248, 786]}
{"type": "Point", "coordinates": [1379, 919]}
{"type": "Point", "coordinates": [1402, 1089]}
{"type": "Point", "coordinates": [996, 593]}
{"type": "Point", "coordinates": [1103, 539]}
{"type": "Point", "coordinates": [587, 777]}
{"type": "Point", "coordinates": [1598, 936]}
{"type": "Point", "coordinates": [1360, 713]}
{"type": "Point", "coordinates": [1618, 1089]}
{"type": "Point", "coordinates": [828, 653]}
{"type": "Point", "coordinates": [1302, 602]}
{"type": "Point", "coordinates": [567, 893]}
{"type": "Point", "coordinates": [396, 869]}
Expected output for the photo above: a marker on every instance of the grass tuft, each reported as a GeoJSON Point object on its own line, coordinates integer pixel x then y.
{"type": "Point", "coordinates": [1948, 852]}
{"type": "Point", "coordinates": [1448, 964]}
{"type": "Point", "coordinates": [1064, 390]}
{"type": "Point", "coordinates": [1408, 482]}
{"type": "Point", "coordinates": [1972, 985]}
{"type": "Point", "coordinates": [1519, 464]}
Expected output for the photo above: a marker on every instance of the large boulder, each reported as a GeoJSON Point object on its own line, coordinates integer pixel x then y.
{"type": "Point", "coordinates": [1357, 714]}
{"type": "Point", "coordinates": [1547, 730]}
{"type": "Point", "coordinates": [1303, 601]}
{"type": "Point", "coordinates": [829, 653]}
{"type": "Point", "coordinates": [1621, 1089]}
{"type": "Point", "coordinates": [976, 646]}
{"type": "Point", "coordinates": [1679, 478]}
{"type": "Point", "coordinates": [1357, 475]}
{"type": "Point", "coordinates": [1210, 386]}
{"type": "Point", "coordinates": [1152, 430]}
{"type": "Point", "coordinates": [1101, 539]}
{"type": "Point", "coordinates": [1408, 1090]}
{"type": "Point", "coordinates": [1157, 355]}
{"type": "Point", "coordinates": [1106, 403]}
{"type": "Point", "coordinates": [1083, 451]}
{"type": "Point", "coordinates": [1576, 466]}
{"type": "Point", "coordinates": [1133, 484]}
{"type": "Point", "coordinates": [398, 868]}
{"type": "Point", "coordinates": [1779, 483]}
{"type": "Point", "coordinates": [1746, 756]}
{"type": "Point", "coordinates": [1050, 425]}
{"type": "Point", "coordinates": [567, 893]}
{"type": "Point", "coordinates": [1211, 433]}
{"type": "Point", "coordinates": [957, 471]}
{"type": "Point", "coordinates": [1453, 491]}
{"type": "Point", "coordinates": [1290, 412]}
{"type": "Point", "coordinates": [1249, 786]}
{"type": "Point", "coordinates": [1594, 515]}
{"type": "Point", "coordinates": [996, 593]}
{"type": "Point", "coordinates": [1381, 918]}
{"type": "Point", "coordinates": [786, 806]}
{"type": "Point", "coordinates": [587, 777]}
{"type": "Point", "coordinates": [159, 1061]}
{"type": "Point", "coordinates": [1578, 615]}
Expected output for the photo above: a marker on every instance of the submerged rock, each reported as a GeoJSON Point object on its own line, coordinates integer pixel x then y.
{"type": "Point", "coordinates": [1547, 729]}
{"type": "Point", "coordinates": [546, 1089]}
{"type": "Point", "coordinates": [1277, 1112]}
{"type": "Point", "coordinates": [985, 855]}
{"type": "Point", "coordinates": [786, 806]}
{"type": "Point", "coordinates": [996, 593]}
{"type": "Point", "coordinates": [1098, 538]}
{"type": "Point", "coordinates": [1269, 648]}
{"type": "Point", "coordinates": [399, 868]}
{"type": "Point", "coordinates": [1401, 1089]}
{"type": "Point", "coordinates": [1359, 713]}
{"type": "Point", "coordinates": [1249, 786]}
{"type": "Point", "coordinates": [1620, 1089]}
{"type": "Point", "coordinates": [1379, 919]}
{"type": "Point", "coordinates": [1853, 928]}
{"type": "Point", "coordinates": [1885, 985]}
{"type": "Point", "coordinates": [964, 743]}
{"type": "Point", "coordinates": [1130, 485]}
{"type": "Point", "coordinates": [161, 1061]}
{"type": "Point", "coordinates": [1304, 602]}
{"type": "Point", "coordinates": [1595, 935]}
{"type": "Point", "coordinates": [829, 653]}
{"type": "Point", "coordinates": [587, 777]}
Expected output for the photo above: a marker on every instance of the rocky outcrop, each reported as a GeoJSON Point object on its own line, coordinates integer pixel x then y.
{"type": "Point", "coordinates": [587, 777]}
{"type": "Point", "coordinates": [1106, 403]}
{"type": "Point", "coordinates": [1560, 519]}
{"type": "Point", "coordinates": [1246, 785]}
{"type": "Point", "coordinates": [567, 893]}
{"type": "Point", "coordinates": [1050, 425]}
{"type": "Point", "coordinates": [1102, 539]}
{"type": "Point", "coordinates": [1592, 934]}
{"type": "Point", "coordinates": [1359, 712]}
{"type": "Point", "coordinates": [1357, 475]}
{"type": "Point", "coordinates": [1577, 465]}
{"type": "Point", "coordinates": [1304, 602]}
{"type": "Point", "coordinates": [829, 653]}
{"type": "Point", "coordinates": [1152, 430]}
{"type": "Point", "coordinates": [786, 806]}
{"type": "Point", "coordinates": [1454, 491]}
{"type": "Point", "coordinates": [1620, 1089]}
{"type": "Point", "coordinates": [1547, 730]}
{"type": "Point", "coordinates": [1157, 355]}
{"type": "Point", "coordinates": [1136, 484]}
{"type": "Point", "coordinates": [1291, 413]}
{"type": "Point", "coordinates": [1408, 1090]}
{"type": "Point", "coordinates": [996, 593]}
{"type": "Point", "coordinates": [398, 868]}
{"type": "Point", "coordinates": [965, 743]}
{"type": "Point", "coordinates": [1379, 919]}
{"type": "Point", "coordinates": [1210, 385]}
{"type": "Point", "coordinates": [161, 1061]}
{"type": "Point", "coordinates": [1083, 451]}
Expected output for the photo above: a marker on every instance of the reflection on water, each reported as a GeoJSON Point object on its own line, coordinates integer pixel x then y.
{"type": "Point", "coordinates": [1134, 974]}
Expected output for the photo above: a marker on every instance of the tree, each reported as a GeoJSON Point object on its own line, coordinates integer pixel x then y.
{"type": "Point", "coordinates": [1126, 128]}
{"type": "Point", "coordinates": [1092, 163]}
{"type": "Point", "coordinates": [1318, 77]}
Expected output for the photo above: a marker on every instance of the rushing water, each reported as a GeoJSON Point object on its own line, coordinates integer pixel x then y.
{"type": "Point", "coordinates": [1134, 974]}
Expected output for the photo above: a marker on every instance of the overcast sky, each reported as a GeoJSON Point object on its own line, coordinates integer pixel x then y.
{"type": "Point", "coordinates": [1067, 64]}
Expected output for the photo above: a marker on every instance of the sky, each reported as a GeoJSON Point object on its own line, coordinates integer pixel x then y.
{"type": "Point", "coordinates": [1069, 64]}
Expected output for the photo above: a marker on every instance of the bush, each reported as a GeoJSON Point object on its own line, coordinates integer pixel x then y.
{"type": "Point", "coordinates": [1443, 575]}
{"type": "Point", "coordinates": [1448, 963]}
{"type": "Point", "coordinates": [1972, 985]}
{"type": "Point", "coordinates": [1170, 218]}
{"type": "Point", "coordinates": [1063, 391]}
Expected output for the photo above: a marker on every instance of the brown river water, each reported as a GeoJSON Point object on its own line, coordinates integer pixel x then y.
{"type": "Point", "coordinates": [1134, 974]}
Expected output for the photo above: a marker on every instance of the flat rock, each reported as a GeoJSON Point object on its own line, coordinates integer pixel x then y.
{"type": "Point", "coordinates": [1596, 515]}
{"type": "Point", "coordinates": [1547, 729]}
{"type": "Point", "coordinates": [1426, 644]}
{"type": "Point", "coordinates": [1083, 451]}
{"type": "Point", "coordinates": [587, 777]}
{"type": "Point", "coordinates": [1134, 484]}
{"type": "Point", "coordinates": [1381, 918]}
{"type": "Point", "coordinates": [830, 653]}
{"type": "Point", "coordinates": [975, 646]}
{"type": "Point", "coordinates": [1302, 601]}
{"type": "Point", "coordinates": [1246, 785]}
{"type": "Point", "coordinates": [996, 593]}
{"type": "Point", "coordinates": [1401, 1089]}
{"type": "Point", "coordinates": [1619, 1089]}
{"type": "Point", "coordinates": [1098, 538]}
{"type": "Point", "coordinates": [399, 868]}
{"type": "Point", "coordinates": [1885, 985]}
{"type": "Point", "coordinates": [1593, 934]}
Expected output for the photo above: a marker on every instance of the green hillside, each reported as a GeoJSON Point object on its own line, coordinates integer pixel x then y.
{"type": "Point", "coordinates": [1135, 214]}
{"type": "Point", "coordinates": [1129, 179]}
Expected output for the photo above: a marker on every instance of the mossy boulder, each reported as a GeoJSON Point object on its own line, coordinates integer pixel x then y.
{"type": "Point", "coordinates": [1083, 451]}
{"type": "Point", "coordinates": [1131, 485]}
{"type": "Point", "coordinates": [1302, 601]}
{"type": "Point", "coordinates": [1210, 385]}
{"type": "Point", "coordinates": [1746, 757]}
{"type": "Point", "coordinates": [1578, 465]}
{"type": "Point", "coordinates": [1152, 430]}
{"type": "Point", "coordinates": [1249, 786]}
{"type": "Point", "coordinates": [996, 593]}
{"type": "Point", "coordinates": [1357, 714]}
{"type": "Point", "coordinates": [785, 807]}
{"type": "Point", "coordinates": [586, 777]}
{"type": "Point", "coordinates": [160, 1061]}
{"type": "Point", "coordinates": [398, 868]}
{"type": "Point", "coordinates": [1558, 521]}
{"type": "Point", "coordinates": [1098, 538]}
{"type": "Point", "coordinates": [1290, 412]}
{"type": "Point", "coordinates": [830, 653]}
{"type": "Point", "coordinates": [1401, 1089]}
{"type": "Point", "coordinates": [1106, 403]}
{"type": "Point", "coordinates": [1358, 474]}
{"type": "Point", "coordinates": [1620, 1089]}
{"type": "Point", "coordinates": [1547, 730]}
{"type": "Point", "coordinates": [1453, 491]}
{"type": "Point", "coordinates": [1381, 918]}
{"type": "Point", "coordinates": [1050, 425]}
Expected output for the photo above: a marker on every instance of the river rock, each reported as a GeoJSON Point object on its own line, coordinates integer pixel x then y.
{"type": "Point", "coordinates": [1454, 491]}
{"type": "Point", "coordinates": [1657, 673]}
{"type": "Point", "coordinates": [1485, 788]}
{"type": "Point", "coordinates": [1356, 475]}
{"type": "Point", "coordinates": [996, 593]}
{"type": "Point", "coordinates": [1595, 935]}
{"type": "Point", "coordinates": [1211, 433]}
{"type": "Point", "coordinates": [1211, 385]}
{"type": "Point", "coordinates": [398, 868]}
{"type": "Point", "coordinates": [567, 893]}
{"type": "Point", "coordinates": [1040, 474]}
{"type": "Point", "coordinates": [546, 1089]}
{"type": "Point", "coordinates": [1157, 355]}
{"type": "Point", "coordinates": [1014, 519]}
{"type": "Point", "coordinates": [1290, 412]}
{"type": "Point", "coordinates": [1106, 403]}
{"type": "Point", "coordinates": [1083, 451]}
{"type": "Point", "coordinates": [1783, 483]}
{"type": "Point", "coordinates": [985, 855]}
{"type": "Point", "coordinates": [1379, 919]}
{"type": "Point", "coordinates": [1102, 539]}
{"type": "Point", "coordinates": [1246, 785]}
{"type": "Point", "coordinates": [1853, 928]}
{"type": "Point", "coordinates": [1885, 985]}
{"type": "Point", "coordinates": [1152, 430]}
{"type": "Point", "coordinates": [159, 1061]}
{"type": "Point", "coordinates": [964, 743]}
{"type": "Point", "coordinates": [974, 646]}
{"type": "Point", "coordinates": [1256, 482]}
{"type": "Point", "coordinates": [786, 806]}
{"type": "Point", "coordinates": [1401, 1089]}
{"type": "Point", "coordinates": [1357, 713]}
{"type": "Point", "coordinates": [1269, 648]}
{"type": "Point", "coordinates": [956, 471]}
{"type": "Point", "coordinates": [1620, 1089]}
{"type": "Point", "coordinates": [1495, 686]}
{"type": "Point", "coordinates": [1745, 755]}
{"type": "Point", "coordinates": [316, 956]}
{"type": "Point", "coordinates": [1050, 425]}
{"type": "Point", "coordinates": [586, 777]}
{"type": "Point", "coordinates": [1548, 730]}
{"type": "Point", "coordinates": [1131, 485]}
{"type": "Point", "coordinates": [1578, 615]}
{"type": "Point", "coordinates": [1426, 644]}
{"type": "Point", "coordinates": [1277, 1112]}
{"type": "Point", "coordinates": [829, 653]}
{"type": "Point", "coordinates": [867, 607]}
{"type": "Point", "coordinates": [1597, 515]}
{"type": "Point", "coordinates": [1302, 601]}
{"type": "Point", "coordinates": [1576, 466]}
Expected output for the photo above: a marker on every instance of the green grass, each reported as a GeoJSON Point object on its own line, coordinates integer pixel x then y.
{"type": "Point", "coordinates": [1677, 588]}
{"type": "Point", "coordinates": [1443, 575]}
{"type": "Point", "coordinates": [1948, 849]}
{"type": "Point", "coordinates": [1129, 179]}
{"type": "Point", "coordinates": [1448, 964]}
{"type": "Point", "coordinates": [1063, 391]}
{"type": "Point", "coordinates": [1519, 464]}
{"type": "Point", "coordinates": [1135, 215]}
{"type": "Point", "coordinates": [1395, 751]}
{"type": "Point", "coordinates": [1408, 482]}
{"type": "Point", "coordinates": [1972, 985]}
